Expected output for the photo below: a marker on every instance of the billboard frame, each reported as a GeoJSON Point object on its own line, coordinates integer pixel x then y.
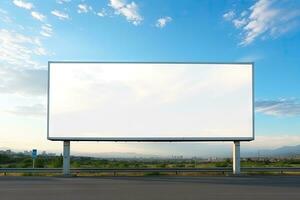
{"type": "Point", "coordinates": [152, 139]}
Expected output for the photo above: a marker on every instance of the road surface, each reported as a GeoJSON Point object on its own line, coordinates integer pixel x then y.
{"type": "Point", "coordinates": [146, 188]}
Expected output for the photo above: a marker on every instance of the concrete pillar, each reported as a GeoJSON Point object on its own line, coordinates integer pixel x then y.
{"type": "Point", "coordinates": [236, 158]}
{"type": "Point", "coordinates": [66, 160]}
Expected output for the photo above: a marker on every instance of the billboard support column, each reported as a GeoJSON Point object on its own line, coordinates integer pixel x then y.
{"type": "Point", "coordinates": [236, 158]}
{"type": "Point", "coordinates": [66, 160]}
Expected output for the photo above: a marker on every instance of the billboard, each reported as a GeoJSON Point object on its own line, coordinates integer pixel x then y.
{"type": "Point", "coordinates": [109, 101]}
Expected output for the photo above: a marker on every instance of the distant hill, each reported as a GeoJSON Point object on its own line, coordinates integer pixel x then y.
{"type": "Point", "coordinates": [284, 151]}
{"type": "Point", "coordinates": [206, 152]}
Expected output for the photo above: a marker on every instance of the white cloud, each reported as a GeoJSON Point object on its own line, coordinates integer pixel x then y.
{"type": "Point", "coordinates": [128, 10]}
{"type": "Point", "coordinates": [40, 51]}
{"type": "Point", "coordinates": [63, 1]}
{"type": "Point", "coordinates": [36, 110]}
{"type": "Point", "coordinates": [238, 23]}
{"type": "Point", "coordinates": [4, 17]}
{"type": "Point", "coordinates": [261, 19]}
{"type": "Point", "coordinates": [265, 19]}
{"type": "Point", "coordinates": [249, 58]}
{"type": "Point", "coordinates": [61, 15]}
{"type": "Point", "coordinates": [23, 4]}
{"type": "Point", "coordinates": [29, 6]}
{"type": "Point", "coordinates": [84, 8]}
{"type": "Point", "coordinates": [17, 49]}
{"type": "Point", "coordinates": [272, 141]}
{"type": "Point", "coordinates": [47, 30]}
{"type": "Point", "coordinates": [244, 13]}
{"type": "Point", "coordinates": [229, 15]}
{"type": "Point", "coordinates": [281, 107]}
{"type": "Point", "coordinates": [38, 16]}
{"type": "Point", "coordinates": [3, 11]}
{"type": "Point", "coordinates": [162, 22]}
{"type": "Point", "coordinates": [102, 13]}
{"type": "Point", "coordinates": [22, 81]}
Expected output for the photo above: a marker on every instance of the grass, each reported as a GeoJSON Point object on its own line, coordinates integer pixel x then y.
{"type": "Point", "coordinates": [25, 161]}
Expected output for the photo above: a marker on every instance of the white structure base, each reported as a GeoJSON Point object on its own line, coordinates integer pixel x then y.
{"type": "Point", "coordinates": [236, 158]}
{"type": "Point", "coordinates": [66, 160]}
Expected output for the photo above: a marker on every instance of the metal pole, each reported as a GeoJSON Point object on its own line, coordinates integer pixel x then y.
{"type": "Point", "coordinates": [236, 158]}
{"type": "Point", "coordinates": [33, 163]}
{"type": "Point", "coordinates": [66, 161]}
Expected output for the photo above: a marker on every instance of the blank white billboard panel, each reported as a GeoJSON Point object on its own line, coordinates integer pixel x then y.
{"type": "Point", "coordinates": [150, 101]}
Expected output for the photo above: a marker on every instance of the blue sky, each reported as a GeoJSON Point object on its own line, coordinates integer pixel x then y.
{"type": "Point", "coordinates": [33, 32]}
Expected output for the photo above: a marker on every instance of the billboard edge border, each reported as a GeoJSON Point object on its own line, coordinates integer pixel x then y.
{"type": "Point", "coordinates": [153, 139]}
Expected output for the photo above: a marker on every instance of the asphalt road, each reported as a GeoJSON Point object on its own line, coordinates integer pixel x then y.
{"type": "Point", "coordinates": [144, 188]}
